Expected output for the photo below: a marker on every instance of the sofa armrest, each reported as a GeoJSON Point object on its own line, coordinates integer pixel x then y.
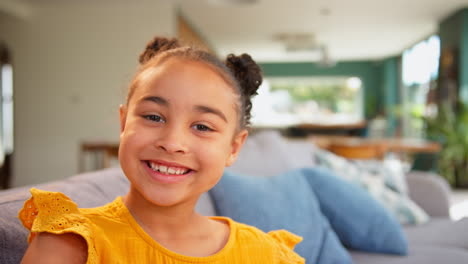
{"type": "Point", "coordinates": [430, 191]}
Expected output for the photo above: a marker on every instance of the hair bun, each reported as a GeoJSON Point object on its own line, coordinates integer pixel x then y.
{"type": "Point", "coordinates": [246, 71]}
{"type": "Point", "coordinates": [157, 45]}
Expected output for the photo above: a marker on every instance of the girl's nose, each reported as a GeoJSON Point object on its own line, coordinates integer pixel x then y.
{"type": "Point", "coordinates": [172, 140]}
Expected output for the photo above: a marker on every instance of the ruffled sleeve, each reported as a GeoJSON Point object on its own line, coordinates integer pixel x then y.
{"type": "Point", "coordinates": [287, 241]}
{"type": "Point", "coordinates": [54, 212]}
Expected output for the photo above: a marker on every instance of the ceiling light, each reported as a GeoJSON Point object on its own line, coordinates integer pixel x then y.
{"type": "Point", "coordinates": [325, 11]}
{"type": "Point", "coordinates": [326, 61]}
{"type": "Point", "coordinates": [233, 2]}
{"type": "Point", "coordinates": [297, 41]}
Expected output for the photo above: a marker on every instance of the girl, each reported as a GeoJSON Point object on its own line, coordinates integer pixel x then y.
{"type": "Point", "coordinates": [185, 119]}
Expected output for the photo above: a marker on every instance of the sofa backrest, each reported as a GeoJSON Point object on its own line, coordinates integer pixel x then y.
{"type": "Point", "coordinates": [267, 153]}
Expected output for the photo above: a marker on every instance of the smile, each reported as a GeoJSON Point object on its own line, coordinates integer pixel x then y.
{"type": "Point", "coordinates": [167, 170]}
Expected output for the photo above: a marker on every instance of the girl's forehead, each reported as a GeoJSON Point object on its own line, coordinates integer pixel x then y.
{"type": "Point", "coordinates": [178, 73]}
{"type": "Point", "coordinates": [183, 79]}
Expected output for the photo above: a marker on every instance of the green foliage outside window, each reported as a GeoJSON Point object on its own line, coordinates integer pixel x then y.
{"type": "Point", "coordinates": [334, 95]}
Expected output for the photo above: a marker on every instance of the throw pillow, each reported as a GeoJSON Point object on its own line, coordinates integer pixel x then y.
{"type": "Point", "coordinates": [391, 170]}
{"type": "Point", "coordinates": [280, 202]}
{"type": "Point", "coordinates": [360, 222]}
{"type": "Point", "coordinates": [401, 206]}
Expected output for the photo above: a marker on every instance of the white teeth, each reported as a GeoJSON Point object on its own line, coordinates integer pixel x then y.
{"type": "Point", "coordinates": [167, 170]}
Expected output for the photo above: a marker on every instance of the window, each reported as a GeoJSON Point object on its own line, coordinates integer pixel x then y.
{"type": "Point", "coordinates": [7, 107]}
{"type": "Point", "coordinates": [420, 66]}
{"type": "Point", "coordinates": [288, 101]}
{"type": "Point", "coordinates": [6, 116]}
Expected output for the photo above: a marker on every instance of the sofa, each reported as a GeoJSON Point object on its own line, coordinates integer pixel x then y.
{"type": "Point", "coordinates": [440, 240]}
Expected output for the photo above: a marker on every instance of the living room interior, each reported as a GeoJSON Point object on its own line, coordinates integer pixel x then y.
{"type": "Point", "coordinates": [367, 80]}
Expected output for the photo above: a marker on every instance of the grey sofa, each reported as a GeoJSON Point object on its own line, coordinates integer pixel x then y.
{"type": "Point", "coordinates": [439, 241]}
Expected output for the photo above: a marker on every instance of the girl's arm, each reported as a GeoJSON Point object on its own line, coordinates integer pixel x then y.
{"type": "Point", "coordinates": [50, 248]}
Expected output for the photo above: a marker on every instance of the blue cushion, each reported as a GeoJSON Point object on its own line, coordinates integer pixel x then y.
{"type": "Point", "coordinates": [280, 202]}
{"type": "Point", "coordinates": [360, 222]}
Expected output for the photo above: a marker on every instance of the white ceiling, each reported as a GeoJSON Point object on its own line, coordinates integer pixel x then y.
{"type": "Point", "coordinates": [352, 30]}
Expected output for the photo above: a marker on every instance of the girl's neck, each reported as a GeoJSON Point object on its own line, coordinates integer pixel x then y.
{"type": "Point", "coordinates": [164, 221]}
{"type": "Point", "coordinates": [178, 228]}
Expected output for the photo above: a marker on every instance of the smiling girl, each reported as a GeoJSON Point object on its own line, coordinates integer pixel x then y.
{"type": "Point", "coordinates": [185, 120]}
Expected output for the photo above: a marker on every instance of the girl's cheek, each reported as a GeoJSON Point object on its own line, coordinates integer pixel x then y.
{"type": "Point", "coordinates": [215, 151]}
{"type": "Point", "coordinates": [133, 137]}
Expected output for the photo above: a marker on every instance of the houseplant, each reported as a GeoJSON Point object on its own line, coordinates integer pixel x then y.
{"type": "Point", "coordinates": [450, 127]}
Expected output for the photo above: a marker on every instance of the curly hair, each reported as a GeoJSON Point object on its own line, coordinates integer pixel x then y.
{"type": "Point", "coordinates": [241, 72]}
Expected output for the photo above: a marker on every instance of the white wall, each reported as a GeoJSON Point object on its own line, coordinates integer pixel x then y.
{"type": "Point", "coordinates": [72, 66]}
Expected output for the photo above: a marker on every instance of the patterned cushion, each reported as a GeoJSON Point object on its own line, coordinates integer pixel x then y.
{"type": "Point", "coordinates": [391, 170]}
{"type": "Point", "coordinates": [404, 209]}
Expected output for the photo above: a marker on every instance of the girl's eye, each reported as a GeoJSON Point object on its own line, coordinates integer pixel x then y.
{"type": "Point", "coordinates": [154, 118]}
{"type": "Point", "coordinates": [201, 127]}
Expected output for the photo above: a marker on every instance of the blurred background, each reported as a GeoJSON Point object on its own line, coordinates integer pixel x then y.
{"type": "Point", "coordinates": [367, 68]}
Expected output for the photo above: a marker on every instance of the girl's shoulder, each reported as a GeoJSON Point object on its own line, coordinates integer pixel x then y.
{"type": "Point", "coordinates": [286, 242]}
{"type": "Point", "coordinates": [56, 206]}
{"type": "Point", "coordinates": [51, 212]}
{"type": "Point", "coordinates": [280, 242]}
{"type": "Point", "coordinates": [55, 213]}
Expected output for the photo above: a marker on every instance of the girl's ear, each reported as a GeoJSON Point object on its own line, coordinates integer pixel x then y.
{"type": "Point", "coordinates": [237, 143]}
{"type": "Point", "coordinates": [123, 117]}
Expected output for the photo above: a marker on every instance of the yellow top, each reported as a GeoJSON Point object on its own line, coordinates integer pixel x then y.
{"type": "Point", "coordinates": [113, 235]}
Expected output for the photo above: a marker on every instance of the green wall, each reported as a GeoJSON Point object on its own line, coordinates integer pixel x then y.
{"type": "Point", "coordinates": [464, 57]}
{"type": "Point", "coordinates": [450, 30]}
{"type": "Point", "coordinates": [390, 84]}
{"type": "Point", "coordinates": [453, 32]}
{"type": "Point", "coordinates": [370, 73]}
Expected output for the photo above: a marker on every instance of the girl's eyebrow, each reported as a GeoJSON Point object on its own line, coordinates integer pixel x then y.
{"type": "Point", "coordinates": [156, 99]}
{"type": "Point", "coordinates": [210, 110]}
{"type": "Point", "coordinates": [198, 108]}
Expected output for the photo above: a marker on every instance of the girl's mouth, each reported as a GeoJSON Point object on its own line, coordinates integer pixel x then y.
{"type": "Point", "coordinates": [167, 170]}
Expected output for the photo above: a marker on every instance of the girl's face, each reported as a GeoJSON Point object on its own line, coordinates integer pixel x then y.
{"type": "Point", "coordinates": [178, 132]}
